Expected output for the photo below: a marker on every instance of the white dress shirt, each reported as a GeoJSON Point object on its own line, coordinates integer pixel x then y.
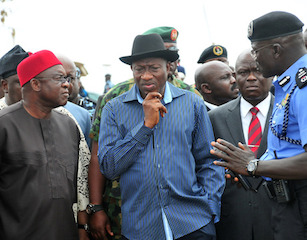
{"type": "Point", "coordinates": [246, 115]}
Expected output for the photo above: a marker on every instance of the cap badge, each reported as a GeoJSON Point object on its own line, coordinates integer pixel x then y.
{"type": "Point", "coordinates": [250, 29]}
{"type": "Point", "coordinates": [218, 51]}
{"type": "Point", "coordinates": [174, 35]}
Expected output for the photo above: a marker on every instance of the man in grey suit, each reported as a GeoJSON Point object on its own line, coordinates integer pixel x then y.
{"type": "Point", "coordinates": [246, 212]}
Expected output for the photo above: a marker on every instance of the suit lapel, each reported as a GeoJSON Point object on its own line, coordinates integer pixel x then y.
{"type": "Point", "coordinates": [234, 123]}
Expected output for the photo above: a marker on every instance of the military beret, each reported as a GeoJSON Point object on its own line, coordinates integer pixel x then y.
{"type": "Point", "coordinates": [214, 51]}
{"type": "Point", "coordinates": [168, 34]}
{"type": "Point", "coordinates": [10, 61]}
{"type": "Point", "coordinates": [273, 25]}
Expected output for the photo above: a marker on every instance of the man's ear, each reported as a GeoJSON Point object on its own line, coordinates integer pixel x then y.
{"type": "Point", "coordinates": [277, 50]}
{"type": "Point", "coordinates": [205, 88]}
{"type": "Point", "coordinates": [35, 84]}
{"type": "Point", "coordinates": [171, 67]}
{"type": "Point", "coordinates": [4, 86]}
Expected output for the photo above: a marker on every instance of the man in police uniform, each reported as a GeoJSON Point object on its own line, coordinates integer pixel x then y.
{"type": "Point", "coordinates": [278, 47]}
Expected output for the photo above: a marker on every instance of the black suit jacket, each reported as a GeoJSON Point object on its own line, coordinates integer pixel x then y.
{"type": "Point", "coordinates": [245, 215]}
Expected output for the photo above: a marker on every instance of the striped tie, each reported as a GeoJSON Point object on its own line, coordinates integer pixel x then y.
{"type": "Point", "coordinates": [254, 131]}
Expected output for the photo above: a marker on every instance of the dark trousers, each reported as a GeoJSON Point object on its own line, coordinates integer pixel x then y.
{"type": "Point", "coordinates": [290, 219]}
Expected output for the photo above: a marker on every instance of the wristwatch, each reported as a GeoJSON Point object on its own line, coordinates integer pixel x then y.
{"type": "Point", "coordinates": [252, 167]}
{"type": "Point", "coordinates": [85, 227]}
{"type": "Point", "coordinates": [92, 208]}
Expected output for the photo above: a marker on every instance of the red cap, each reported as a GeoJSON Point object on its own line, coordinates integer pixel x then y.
{"type": "Point", "coordinates": [35, 64]}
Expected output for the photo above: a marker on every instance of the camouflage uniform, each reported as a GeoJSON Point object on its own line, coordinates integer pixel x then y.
{"type": "Point", "coordinates": [112, 199]}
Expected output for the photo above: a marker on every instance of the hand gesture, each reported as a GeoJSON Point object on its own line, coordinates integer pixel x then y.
{"type": "Point", "coordinates": [153, 107]}
{"type": "Point", "coordinates": [236, 158]}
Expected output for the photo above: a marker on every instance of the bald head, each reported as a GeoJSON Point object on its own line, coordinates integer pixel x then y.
{"type": "Point", "coordinates": [68, 64]}
{"type": "Point", "coordinates": [206, 73]}
{"type": "Point", "coordinates": [216, 82]}
{"type": "Point", "coordinates": [244, 56]}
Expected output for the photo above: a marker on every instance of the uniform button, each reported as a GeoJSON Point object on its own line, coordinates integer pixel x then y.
{"type": "Point", "coordinates": [157, 145]}
{"type": "Point", "coordinates": [159, 166]}
{"type": "Point", "coordinates": [274, 122]}
{"type": "Point", "coordinates": [277, 104]}
{"type": "Point", "coordinates": [161, 186]}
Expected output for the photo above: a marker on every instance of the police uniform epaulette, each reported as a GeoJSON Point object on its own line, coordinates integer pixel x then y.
{"type": "Point", "coordinates": [284, 81]}
{"type": "Point", "coordinates": [301, 77]}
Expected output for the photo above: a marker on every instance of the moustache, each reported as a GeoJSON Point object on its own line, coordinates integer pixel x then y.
{"type": "Point", "coordinates": [234, 86]}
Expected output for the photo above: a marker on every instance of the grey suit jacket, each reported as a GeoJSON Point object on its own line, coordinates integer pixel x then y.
{"type": "Point", "coordinates": [245, 214]}
{"type": "Point", "coordinates": [227, 124]}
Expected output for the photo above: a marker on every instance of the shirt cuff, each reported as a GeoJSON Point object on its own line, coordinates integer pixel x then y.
{"type": "Point", "coordinates": [142, 133]}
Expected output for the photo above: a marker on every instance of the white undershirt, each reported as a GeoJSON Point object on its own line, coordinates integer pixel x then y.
{"type": "Point", "coordinates": [246, 115]}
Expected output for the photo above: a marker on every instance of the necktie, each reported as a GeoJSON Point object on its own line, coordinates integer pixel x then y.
{"type": "Point", "coordinates": [254, 131]}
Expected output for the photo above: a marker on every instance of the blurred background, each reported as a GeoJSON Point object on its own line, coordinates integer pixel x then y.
{"type": "Point", "coordinates": [98, 32]}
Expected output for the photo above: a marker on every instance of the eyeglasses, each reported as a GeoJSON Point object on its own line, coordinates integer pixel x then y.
{"type": "Point", "coordinates": [58, 78]}
{"type": "Point", "coordinates": [254, 51]}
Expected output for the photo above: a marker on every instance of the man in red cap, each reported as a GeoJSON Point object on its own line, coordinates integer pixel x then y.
{"type": "Point", "coordinates": [38, 155]}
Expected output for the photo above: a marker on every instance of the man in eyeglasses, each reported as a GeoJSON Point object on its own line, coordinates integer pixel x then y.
{"type": "Point", "coordinates": [81, 115]}
{"type": "Point", "coordinates": [279, 49]}
{"type": "Point", "coordinates": [38, 156]}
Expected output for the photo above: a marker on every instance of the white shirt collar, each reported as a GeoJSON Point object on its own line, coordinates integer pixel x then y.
{"type": "Point", "coordinates": [262, 106]}
{"type": "Point", "coordinates": [210, 105]}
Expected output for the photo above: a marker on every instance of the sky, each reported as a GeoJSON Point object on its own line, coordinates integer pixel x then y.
{"type": "Point", "coordinates": [98, 32]}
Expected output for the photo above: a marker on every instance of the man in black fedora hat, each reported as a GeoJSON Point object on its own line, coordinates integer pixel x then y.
{"type": "Point", "coordinates": [156, 137]}
{"type": "Point", "coordinates": [104, 191]}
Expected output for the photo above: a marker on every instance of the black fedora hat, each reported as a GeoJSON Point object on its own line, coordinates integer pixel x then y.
{"type": "Point", "coordinates": [147, 46]}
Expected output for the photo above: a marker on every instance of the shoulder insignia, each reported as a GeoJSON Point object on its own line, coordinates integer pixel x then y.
{"type": "Point", "coordinates": [284, 81]}
{"type": "Point", "coordinates": [301, 77]}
